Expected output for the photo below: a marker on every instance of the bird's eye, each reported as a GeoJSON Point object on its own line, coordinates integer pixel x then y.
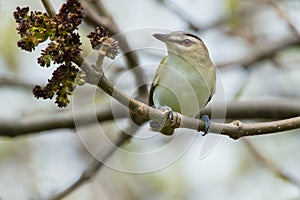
{"type": "Point", "coordinates": [187, 42]}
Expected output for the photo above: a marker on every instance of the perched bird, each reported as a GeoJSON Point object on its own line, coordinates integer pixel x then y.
{"type": "Point", "coordinates": [185, 80]}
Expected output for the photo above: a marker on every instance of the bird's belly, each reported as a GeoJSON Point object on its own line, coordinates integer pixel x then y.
{"type": "Point", "coordinates": [187, 94]}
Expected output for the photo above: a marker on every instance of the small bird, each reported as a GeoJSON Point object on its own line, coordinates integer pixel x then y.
{"type": "Point", "coordinates": [185, 80]}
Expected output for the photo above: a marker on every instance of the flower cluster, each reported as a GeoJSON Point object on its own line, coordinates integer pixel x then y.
{"type": "Point", "coordinates": [63, 48]}
{"type": "Point", "coordinates": [98, 37]}
{"type": "Point", "coordinates": [33, 28]}
{"type": "Point", "coordinates": [70, 15]}
{"type": "Point", "coordinates": [61, 84]}
{"type": "Point", "coordinates": [108, 46]}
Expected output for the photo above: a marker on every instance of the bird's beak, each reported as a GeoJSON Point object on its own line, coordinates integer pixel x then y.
{"type": "Point", "coordinates": [161, 37]}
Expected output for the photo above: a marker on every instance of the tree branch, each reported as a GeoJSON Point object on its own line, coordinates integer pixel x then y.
{"type": "Point", "coordinates": [237, 129]}
{"type": "Point", "coordinates": [49, 8]}
{"type": "Point", "coordinates": [234, 130]}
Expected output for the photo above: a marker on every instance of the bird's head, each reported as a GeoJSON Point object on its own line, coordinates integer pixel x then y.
{"type": "Point", "coordinates": [184, 44]}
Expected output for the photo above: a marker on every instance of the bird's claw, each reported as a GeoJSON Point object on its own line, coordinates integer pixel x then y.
{"type": "Point", "coordinates": [206, 120]}
{"type": "Point", "coordinates": [170, 112]}
{"type": "Point", "coordinates": [156, 126]}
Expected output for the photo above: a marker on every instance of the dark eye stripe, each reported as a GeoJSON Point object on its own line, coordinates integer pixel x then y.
{"type": "Point", "coordinates": [194, 36]}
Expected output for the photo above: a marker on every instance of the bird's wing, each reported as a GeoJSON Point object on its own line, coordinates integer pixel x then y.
{"type": "Point", "coordinates": [156, 79]}
{"type": "Point", "coordinates": [213, 89]}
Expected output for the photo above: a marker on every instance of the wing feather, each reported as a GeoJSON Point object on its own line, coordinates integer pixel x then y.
{"type": "Point", "coordinates": [156, 80]}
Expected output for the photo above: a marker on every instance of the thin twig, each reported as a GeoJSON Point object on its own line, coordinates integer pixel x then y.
{"type": "Point", "coordinates": [99, 61]}
{"type": "Point", "coordinates": [237, 129]}
{"type": "Point", "coordinates": [49, 8]}
{"type": "Point", "coordinates": [102, 17]}
{"type": "Point", "coordinates": [283, 16]}
{"type": "Point", "coordinates": [271, 165]}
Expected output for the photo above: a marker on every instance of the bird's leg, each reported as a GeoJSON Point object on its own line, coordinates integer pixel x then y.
{"type": "Point", "coordinates": [206, 120]}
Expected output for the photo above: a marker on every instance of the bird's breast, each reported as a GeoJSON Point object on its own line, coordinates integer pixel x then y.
{"type": "Point", "coordinates": [183, 88]}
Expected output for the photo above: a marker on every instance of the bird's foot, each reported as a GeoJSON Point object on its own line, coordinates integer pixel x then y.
{"type": "Point", "coordinates": [165, 125]}
{"type": "Point", "coordinates": [169, 111]}
{"type": "Point", "coordinates": [206, 120]}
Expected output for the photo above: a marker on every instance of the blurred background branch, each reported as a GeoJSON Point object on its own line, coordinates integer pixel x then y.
{"type": "Point", "coordinates": [192, 24]}
{"type": "Point", "coordinates": [254, 110]}
{"type": "Point", "coordinates": [14, 82]}
{"type": "Point", "coordinates": [261, 55]}
{"type": "Point", "coordinates": [283, 15]}
{"type": "Point", "coordinates": [270, 165]}
{"type": "Point", "coordinates": [93, 168]}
